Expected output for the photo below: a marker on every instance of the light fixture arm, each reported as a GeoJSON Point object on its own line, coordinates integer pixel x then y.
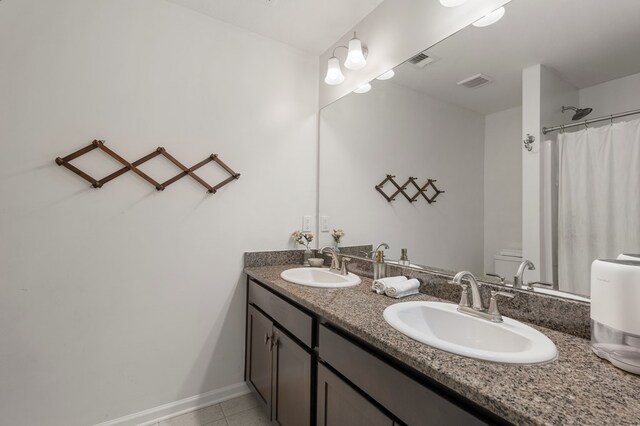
{"type": "Point", "coordinates": [333, 54]}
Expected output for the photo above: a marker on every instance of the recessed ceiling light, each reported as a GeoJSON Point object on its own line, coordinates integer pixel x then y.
{"type": "Point", "coordinates": [490, 19]}
{"type": "Point", "coordinates": [452, 3]}
{"type": "Point", "coordinates": [363, 89]}
{"type": "Point", "coordinates": [387, 75]}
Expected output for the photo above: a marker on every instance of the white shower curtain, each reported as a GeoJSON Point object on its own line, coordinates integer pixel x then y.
{"type": "Point", "coordinates": [598, 199]}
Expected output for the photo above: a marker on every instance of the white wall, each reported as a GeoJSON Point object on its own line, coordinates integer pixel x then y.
{"type": "Point", "coordinates": [394, 130]}
{"type": "Point", "coordinates": [117, 300]}
{"type": "Point", "coordinates": [555, 92]}
{"type": "Point", "coordinates": [502, 183]}
{"type": "Point", "coordinates": [395, 31]}
{"type": "Point", "coordinates": [543, 94]}
{"type": "Point", "coordinates": [612, 97]}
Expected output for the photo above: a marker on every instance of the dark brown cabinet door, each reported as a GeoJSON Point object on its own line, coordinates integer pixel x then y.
{"type": "Point", "coordinates": [259, 349]}
{"type": "Point", "coordinates": [340, 405]}
{"type": "Point", "coordinates": [291, 382]}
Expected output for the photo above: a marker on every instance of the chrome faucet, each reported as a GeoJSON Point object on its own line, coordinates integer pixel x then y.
{"type": "Point", "coordinates": [478, 310]}
{"type": "Point", "coordinates": [372, 254]}
{"type": "Point", "coordinates": [336, 266]}
{"type": "Point", "coordinates": [385, 245]}
{"type": "Point", "coordinates": [335, 260]}
{"type": "Point", "coordinates": [518, 279]}
{"type": "Point", "coordinates": [475, 290]}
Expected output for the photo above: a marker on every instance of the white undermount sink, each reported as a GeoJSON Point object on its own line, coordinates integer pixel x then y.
{"type": "Point", "coordinates": [440, 325]}
{"type": "Point", "coordinates": [319, 277]}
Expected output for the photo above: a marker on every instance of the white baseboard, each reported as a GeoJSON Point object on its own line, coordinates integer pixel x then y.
{"type": "Point", "coordinates": [162, 412]}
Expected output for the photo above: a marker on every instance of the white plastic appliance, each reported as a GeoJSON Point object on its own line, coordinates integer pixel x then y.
{"type": "Point", "coordinates": [615, 316]}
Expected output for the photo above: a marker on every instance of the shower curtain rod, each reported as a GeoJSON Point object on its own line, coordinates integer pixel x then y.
{"type": "Point", "coordinates": [546, 130]}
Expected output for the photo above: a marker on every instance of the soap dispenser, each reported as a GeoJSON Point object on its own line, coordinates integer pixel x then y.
{"type": "Point", "coordinates": [404, 259]}
{"type": "Point", "coordinates": [379, 267]}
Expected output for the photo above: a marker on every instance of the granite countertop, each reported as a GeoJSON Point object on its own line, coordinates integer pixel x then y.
{"type": "Point", "coordinates": [577, 389]}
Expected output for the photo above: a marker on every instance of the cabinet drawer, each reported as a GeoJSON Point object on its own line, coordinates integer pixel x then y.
{"type": "Point", "coordinates": [412, 402]}
{"type": "Point", "coordinates": [292, 319]}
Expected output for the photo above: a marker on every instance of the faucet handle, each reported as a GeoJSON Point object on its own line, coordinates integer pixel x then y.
{"type": "Point", "coordinates": [461, 284]}
{"type": "Point", "coordinates": [508, 294]}
{"type": "Point", "coordinates": [493, 304]}
{"type": "Point", "coordinates": [539, 284]}
{"type": "Point", "coordinates": [500, 277]}
{"type": "Point", "coordinates": [344, 270]}
{"type": "Point", "coordinates": [464, 298]}
{"type": "Point", "coordinates": [367, 254]}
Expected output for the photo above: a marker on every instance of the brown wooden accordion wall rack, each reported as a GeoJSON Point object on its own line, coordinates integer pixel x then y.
{"type": "Point", "coordinates": [424, 190]}
{"type": "Point", "coordinates": [65, 161]}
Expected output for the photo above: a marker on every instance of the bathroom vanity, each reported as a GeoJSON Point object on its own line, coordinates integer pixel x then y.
{"type": "Point", "coordinates": [327, 357]}
{"type": "Point", "coordinates": [308, 370]}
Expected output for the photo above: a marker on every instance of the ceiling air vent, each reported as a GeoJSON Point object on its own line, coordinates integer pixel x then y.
{"type": "Point", "coordinates": [475, 81]}
{"type": "Point", "coordinates": [423, 59]}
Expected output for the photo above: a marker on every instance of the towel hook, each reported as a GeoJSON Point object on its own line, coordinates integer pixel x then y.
{"type": "Point", "coordinates": [528, 141]}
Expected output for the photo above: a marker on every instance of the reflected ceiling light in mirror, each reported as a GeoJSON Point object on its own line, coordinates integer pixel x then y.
{"type": "Point", "coordinates": [490, 19]}
{"type": "Point", "coordinates": [452, 3]}
{"type": "Point", "coordinates": [334, 73]}
{"type": "Point", "coordinates": [363, 89]}
{"type": "Point", "coordinates": [355, 57]}
{"type": "Point", "coordinates": [387, 75]}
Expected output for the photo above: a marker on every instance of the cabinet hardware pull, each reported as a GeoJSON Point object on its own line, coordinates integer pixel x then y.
{"type": "Point", "coordinates": [266, 338]}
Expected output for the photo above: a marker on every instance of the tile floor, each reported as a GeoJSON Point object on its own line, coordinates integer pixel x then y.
{"type": "Point", "coordinates": [240, 411]}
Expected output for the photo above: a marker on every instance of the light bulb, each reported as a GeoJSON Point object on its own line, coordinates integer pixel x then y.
{"type": "Point", "coordinates": [363, 89]}
{"type": "Point", "coordinates": [334, 73]}
{"type": "Point", "coordinates": [387, 75]}
{"type": "Point", "coordinates": [355, 57]}
{"type": "Point", "coordinates": [452, 3]}
{"type": "Point", "coordinates": [490, 19]}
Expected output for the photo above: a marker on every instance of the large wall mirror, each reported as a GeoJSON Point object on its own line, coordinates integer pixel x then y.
{"type": "Point", "coordinates": [457, 113]}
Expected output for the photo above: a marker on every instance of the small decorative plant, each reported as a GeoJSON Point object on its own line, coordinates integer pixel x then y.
{"type": "Point", "coordinates": [302, 238]}
{"type": "Point", "coordinates": [337, 234]}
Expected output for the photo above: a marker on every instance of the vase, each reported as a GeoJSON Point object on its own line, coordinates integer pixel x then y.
{"type": "Point", "coordinates": [336, 246]}
{"type": "Point", "coordinates": [308, 254]}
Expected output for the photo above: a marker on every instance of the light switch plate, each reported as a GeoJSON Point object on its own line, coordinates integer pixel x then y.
{"type": "Point", "coordinates": [324, 223]}
{"type": "Point", "coordinates": [306, 223]}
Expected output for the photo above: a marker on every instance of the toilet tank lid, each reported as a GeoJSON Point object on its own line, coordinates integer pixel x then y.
{"type": "Point", "coordinates": [510, 252]}
{"type": "Point", "coordinates": [507, 258]}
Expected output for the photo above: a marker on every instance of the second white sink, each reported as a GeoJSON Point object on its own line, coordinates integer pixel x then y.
{"type": "Point", "coordinates": [316, 277]}
{"type": "Point", "coordinates": [440, 325]}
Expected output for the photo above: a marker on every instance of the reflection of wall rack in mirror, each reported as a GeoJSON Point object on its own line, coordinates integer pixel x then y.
{"type": "Point", "coordinates": [402, 189]}
{"type": "Point", "coordinates": [66, 162]}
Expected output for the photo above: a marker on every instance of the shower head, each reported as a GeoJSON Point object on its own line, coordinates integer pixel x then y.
{"type": "Point", "coordinates": [580, 112]}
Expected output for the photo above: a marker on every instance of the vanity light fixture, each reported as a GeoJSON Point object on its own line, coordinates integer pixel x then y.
{"type": "Point", "coordinates": [355, 56]}
{"type": "Point", "coordinates": [387, 75]}
{"type": "Point", "coordinates": [452, 3]}
{"type": "Point", "coordinates": [490, 19]}
{"type": "Point", "coordinates": [356, 60]}
{"type": "Point", "coordinates": [363, 89]}
{"type": "Point", "coordinates": [334, 73]}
